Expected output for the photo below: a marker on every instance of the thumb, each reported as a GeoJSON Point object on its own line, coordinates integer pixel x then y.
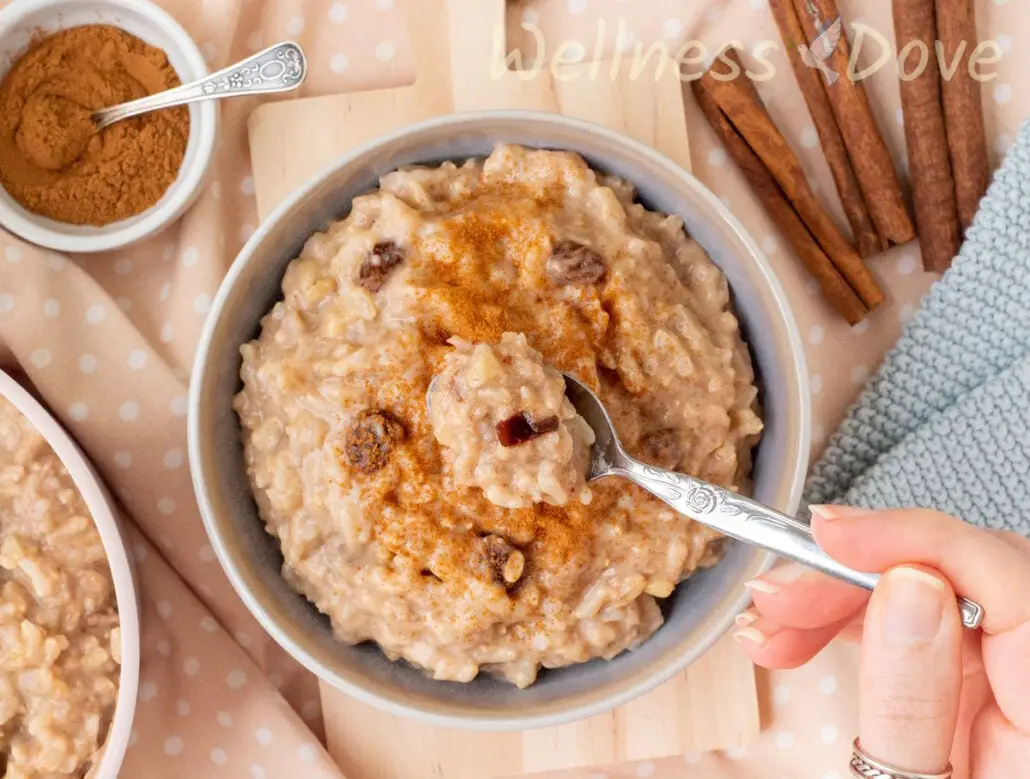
{"type": "Point", "coordinates": [911, 675]}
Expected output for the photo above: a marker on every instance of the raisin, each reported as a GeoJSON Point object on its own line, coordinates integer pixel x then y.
{"type": "Point", "coordinates": [379, 264]}
{"type": "Point", "coordinates": [573, 263]}
{"type": "Point", "coordinates": [371, 440]}
{"type": "Point", "coordinates": [520, 428]}
{"type": "Point", "coordinates": [499, 559]}
{"type": "Point", "coordinates": [662, 448]}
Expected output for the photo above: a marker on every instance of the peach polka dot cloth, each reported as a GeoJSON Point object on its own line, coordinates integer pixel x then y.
{"type": "Point", "coordinates": [107, 342]}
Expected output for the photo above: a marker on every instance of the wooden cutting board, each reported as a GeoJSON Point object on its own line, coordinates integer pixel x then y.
{"type": "Point", "coordinates": [713, 704]}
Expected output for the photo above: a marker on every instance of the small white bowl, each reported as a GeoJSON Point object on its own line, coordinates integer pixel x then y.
{"type": "Point", "coordinates": [21, 22]}
{"type": "Point", "coordinates": [122, 572]}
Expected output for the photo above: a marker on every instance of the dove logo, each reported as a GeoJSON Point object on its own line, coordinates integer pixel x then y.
{"type": "Point", "coordinates": [822, 49]}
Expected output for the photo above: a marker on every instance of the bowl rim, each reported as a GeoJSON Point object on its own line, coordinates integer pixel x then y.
{"type": "Point", "coordinates": [33, 228]}
{"type": "Point", "coordinates": [123, 572]}
{"type": "Point", "coordinates": [500, 722]}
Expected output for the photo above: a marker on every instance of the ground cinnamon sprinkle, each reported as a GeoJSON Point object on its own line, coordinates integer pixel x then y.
{"type": "Point", "coordinates": [53, 162]}
{"type": "Point", "coordinates": [501, 224]}
{"type": "Point", "coordinates": [495, 223]}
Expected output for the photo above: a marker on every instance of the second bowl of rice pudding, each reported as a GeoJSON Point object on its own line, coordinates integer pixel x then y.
{"type": "Point", "coordinates": [464, 569]}
{"type": "Point", "coordinates": [69, 626]}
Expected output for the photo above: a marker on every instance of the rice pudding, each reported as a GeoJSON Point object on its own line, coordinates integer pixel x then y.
{"type": "Point", "coordinates": [507, 428]}
{"type": "Point", "coordinates": [60, 645]}
{"type": "Point", "coordinates": [422, 531]}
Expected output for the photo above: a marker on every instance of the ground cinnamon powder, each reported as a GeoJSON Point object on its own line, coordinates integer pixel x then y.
{"type": "Point", "coordinates": [497, 225]}
{"type": "Point", "coordinates": [53, 161]}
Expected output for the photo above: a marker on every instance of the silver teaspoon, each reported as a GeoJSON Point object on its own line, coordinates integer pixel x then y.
{"type": "Point", "coordinates": [718, 508]}
{"type": "Point", "coordinates": [279, 68]}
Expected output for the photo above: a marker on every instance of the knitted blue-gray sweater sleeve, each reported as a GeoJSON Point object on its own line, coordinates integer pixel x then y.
{"type": "Point", "coordinates": [951, 399]}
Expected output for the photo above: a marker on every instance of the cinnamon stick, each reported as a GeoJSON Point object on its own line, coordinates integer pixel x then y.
{"type": "Point", "coordinates": [833, 285]}
{"type": "Point", "coordinates": [929, 158]}
{"type": "Point", "coordinates": [869, 155]}
{"type": "Point", "coordinates": [963, 111]}
{"type": "Point", "coordinates": [740, 102]}
{"type": "Point", "coordinates": [867, 240]}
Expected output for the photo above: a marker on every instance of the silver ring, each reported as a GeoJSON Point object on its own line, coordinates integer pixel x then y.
{"type": "Point", "coordinates": [865, 767]}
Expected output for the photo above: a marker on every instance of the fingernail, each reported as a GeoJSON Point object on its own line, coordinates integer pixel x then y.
{"type": "Point", "coordinates": [913, 605]}
{"type": "Point", "coordinates": [760, 585]}
{"type": "Point", "coordinates": [838, 512]}
{"type": "Point", "coordinates": [754, 635]}
{"type": "Point", "coordinates": [745, 619]}
{"type": "Point", "coordinates": [785, 574]}
{"type": "Point", "coordinates": [775, 580]}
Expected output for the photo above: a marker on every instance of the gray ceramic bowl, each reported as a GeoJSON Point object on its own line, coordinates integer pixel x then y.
{"type": "Point", "coordinates": [700, 610]}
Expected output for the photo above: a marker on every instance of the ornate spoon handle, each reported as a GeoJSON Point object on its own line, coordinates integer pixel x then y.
{"type": "Point", "coordinates": [278, 68]}
{"type": "Point", "coordinates": [744, 519]}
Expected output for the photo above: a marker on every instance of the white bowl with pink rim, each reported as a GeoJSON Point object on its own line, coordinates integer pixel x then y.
{"type": "Point", "coordinates": [101, 507]}
{"type": "Point", "coordinates": [22, 22]}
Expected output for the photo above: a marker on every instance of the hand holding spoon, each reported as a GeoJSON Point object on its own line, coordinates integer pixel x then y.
{"type": "Point", "coordinates": [718, 508]}
{"type": "Point", "coordinates": [279, 68]}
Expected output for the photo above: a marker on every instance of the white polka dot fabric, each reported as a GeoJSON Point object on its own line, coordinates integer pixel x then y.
{"type": "Point", "coordinates": [108, 340]}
